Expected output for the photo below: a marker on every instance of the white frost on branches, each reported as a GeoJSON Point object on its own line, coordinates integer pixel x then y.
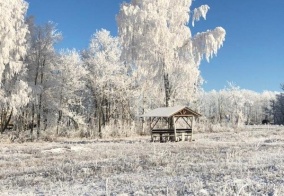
{"type": "Point", "coordinates": [71, 76]}
{"type": "Point", "coordinates": [235, 105]}
{"type": "Point", "coordinates": [200, 12]}
{"type": "Point", "coordinates": [18, 98]}
{"type": "Point", "coordinates": [158, 43]}
{"type": "Point", "coordinates": [104, 62]}
{"type": "Point", "coordinates": [12, 36]}
{"type": "Point", "coordinates": [107, 78]}
{"type": "Point", "coordinates": [13, 31]}
{"type": "Point", "coordinates": [208, 43]}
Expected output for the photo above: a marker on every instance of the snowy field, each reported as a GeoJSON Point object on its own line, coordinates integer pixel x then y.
{"type": "Point", "coordinates": [227, 163]}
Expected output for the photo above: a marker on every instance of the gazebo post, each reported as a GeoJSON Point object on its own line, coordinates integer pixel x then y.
{"type": "Point", "coordinates": [175, 131]}
{"type": "Point", "coordinates": [150, 124]}
{"type": "Point", "coordinates": [192, 125]}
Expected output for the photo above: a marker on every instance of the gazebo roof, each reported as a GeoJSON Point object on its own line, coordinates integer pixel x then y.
{"type": "Point", "coordinates": [171, 111]}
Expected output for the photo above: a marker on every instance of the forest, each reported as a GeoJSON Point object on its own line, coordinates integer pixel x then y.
{"type": "Point", "coordinates": [100, 91]}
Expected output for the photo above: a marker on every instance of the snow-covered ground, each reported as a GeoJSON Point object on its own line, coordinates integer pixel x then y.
{"type": "Point", "coordinates": [227, 163]}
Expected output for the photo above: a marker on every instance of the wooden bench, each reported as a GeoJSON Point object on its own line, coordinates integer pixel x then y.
{"type": "Point", "coordinates": [168, 134]}
{"type": "Point", "coordinates": [9, 126]}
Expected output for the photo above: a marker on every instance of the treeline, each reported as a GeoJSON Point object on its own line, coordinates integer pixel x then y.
{"type": "Point", "coordinates": [236, 106]}
{"type": "Point", "coordinates": [100, 91]}
{"type": "Point", "coordinates": [71, 90]}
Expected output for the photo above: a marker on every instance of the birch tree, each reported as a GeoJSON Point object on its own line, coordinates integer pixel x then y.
{"type": "Point", "coordinates": [157, 41]}
{"type": "Point", "coordinates": [41, 60]}
{"type": "Point", "coordinates": [14, 90]}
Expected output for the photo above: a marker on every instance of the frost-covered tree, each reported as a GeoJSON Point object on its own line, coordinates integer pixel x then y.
{"type": "Point", "coordinates": [236, 106]}
{"type": "Point", "coordinates": [71, 77]}
{"type": "Point", "coordinates": [13, 89]}
{"type": "Point", "coordinates": [158, 43]}
{"type": "Point", "coordinates": [42, 59]}
{"type": "Point", "coordinates": [213, 105]}
{"type": "Point", "coordinates": [108, 82]}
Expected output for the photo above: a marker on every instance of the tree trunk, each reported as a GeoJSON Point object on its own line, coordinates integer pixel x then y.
{"type": "Point", "coordinates": [45, 112]}
{"type": "Point", "coordinates": [5, 121]}
{"type": "Point", "coordinates": [39, 116]}
{"type": "Point", "coordinates": [58, 121]}
{"type": "Point", "coordinates": [220, 113]}
{"type": "Point", "coordinates": [59, 111]}
{"type": "Point", "coordinates": [167, 89]}
{"type": "Point", "coordinates": [40, 100]}
{"type": "Point", "coordinates": [32, 122]}
{"type": "Point", "coordinates": [100, 123]}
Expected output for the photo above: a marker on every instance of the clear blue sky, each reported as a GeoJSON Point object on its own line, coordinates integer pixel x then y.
{"type": "Point", "coordinates": [252, 56]}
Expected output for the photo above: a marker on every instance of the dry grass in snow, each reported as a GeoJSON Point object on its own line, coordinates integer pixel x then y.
{"type": "Point", "coordinates": [227, 163]}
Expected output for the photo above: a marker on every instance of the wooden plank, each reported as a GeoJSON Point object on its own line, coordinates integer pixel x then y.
{"type": "Point", "coordinates": [175, 129]}
{"type": "Point", "coordinates": [177, 118]}
{"type": "Point", "coordinates": [186, 122]}
{"type": "Point", "coordinates": [177, 115]}
{"type": "Point", "coordinates": [155, 122]}
{"type": "Point", "coordinates": [163, 131]}
{"type": "Point", "coordinates": [171, 130]}
{"type": "Point", "coordinates": [184, 130]}
{"type": "Point", "coordinates": [192, 125]}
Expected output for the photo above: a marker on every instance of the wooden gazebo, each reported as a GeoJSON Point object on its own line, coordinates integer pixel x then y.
{"type": "Point", "coordinates": [169, 118]}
